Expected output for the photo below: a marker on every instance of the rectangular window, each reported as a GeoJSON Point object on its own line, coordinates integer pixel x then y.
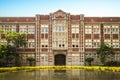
{"type": "Point", "coordinates": [75, 59]}
{"type": "Point", "coordinates": [107, 29]}
{"type": "Point", "coordinates": [115, 29]}
{"type": "Point", "coordinates": [59, 28]}
{"type": "Point", "coordinates": [107, 41]}
{"type": "Point", "coordinates": [75, 28]}
{"type": "Point", "coordinates": [115, 43]}
{"type": "Point", "coordinates": [23, 29]}
{"type": "Point", "coordinates": [31, 29]}
{"type": "Point", "coordinates": [31, 43]}
{"type": "Point", "coordinates": [44, 59]}
{"type": "Point", "coordinates": [96, 43]}
{"type": "Point", "coordinates": [96, 29]}
{"type": "Point", "coordinates": [88, 43]}
{"type": "Point", "coordinates": [44, 29]}
{"type": "Point", "coordinates": [88, 29]}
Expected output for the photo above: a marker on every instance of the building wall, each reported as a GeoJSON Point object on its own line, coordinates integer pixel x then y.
{"type": "Point", "coordinates": [74, 36]}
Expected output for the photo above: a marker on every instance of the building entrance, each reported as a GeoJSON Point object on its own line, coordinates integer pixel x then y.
{"type": "Point", "coordinates": [60, 59]}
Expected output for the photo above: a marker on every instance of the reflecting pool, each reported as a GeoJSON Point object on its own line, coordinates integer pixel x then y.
{"type": "Point", "coordinates": [60, 75]}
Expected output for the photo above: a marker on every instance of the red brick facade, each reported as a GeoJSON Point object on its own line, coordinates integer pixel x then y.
{"type": "Point", "coordinates": [74, 36]}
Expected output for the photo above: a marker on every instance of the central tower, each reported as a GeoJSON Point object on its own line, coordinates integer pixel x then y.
{"type": "Point", "coordinates": [60, 35]}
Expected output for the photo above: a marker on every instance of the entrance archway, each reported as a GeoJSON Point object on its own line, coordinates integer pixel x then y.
{"type": "Point", "coordinates": [60, 59]}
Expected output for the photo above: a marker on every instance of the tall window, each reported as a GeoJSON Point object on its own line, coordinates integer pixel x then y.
{"type": "Point", "coordinates": [75, 28]}
{"type": "Point", "coordinates": [107, 41]}
{"type": "Point", "coordinates": [88, 29]}
{"type": "Point", "coordinates": [96, 43]}
{"type": "Point", "coordinates": [31, 29]}
{"type": "Point", "coordinates": [115, 43]}
{"type": "Point", "coordinates": [44, 59]}
{"type": "Point", "coordinates": [31, 43]}
{"type": "Point", "coordinates": [115, 29]}
{"type": "Point", "coordinates": [88, 43]}
{"type": "Point", "coordinates": [96, 29]}
{"type": "Point", "coordinates": [7, 28]}
{"type": "Point", "coordinates": [23, 29]}
{"type": "Point", "coordinates": [75, 59]}
{"type": "Point", "coordinates": [107, 29]}
{"type": "Point", "coordinates": [59, 28]}
{"type": "Point", "coordinates": [44, 29]}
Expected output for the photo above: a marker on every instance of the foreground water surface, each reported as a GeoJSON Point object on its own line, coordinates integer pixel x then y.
{"type": "Point", "coordinates": [60, 75]}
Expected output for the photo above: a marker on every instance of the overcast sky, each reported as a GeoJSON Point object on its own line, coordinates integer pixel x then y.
{"type": "Point", "coordinates": [11, 8]}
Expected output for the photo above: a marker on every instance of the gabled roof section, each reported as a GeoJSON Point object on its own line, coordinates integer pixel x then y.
{"type": "Point", "coordinates": [59, 11]}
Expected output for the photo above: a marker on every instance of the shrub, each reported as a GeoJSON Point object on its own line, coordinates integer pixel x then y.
{"type": "Point", "coordinates": [31, 60]}
{"type": "Point", "coordinates": [112, 63]}
{"type": "Point", "coordinates": [89, 60]}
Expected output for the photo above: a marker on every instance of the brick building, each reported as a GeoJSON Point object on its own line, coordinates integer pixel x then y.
{"type": "Point", "coordinates": [64, 39]}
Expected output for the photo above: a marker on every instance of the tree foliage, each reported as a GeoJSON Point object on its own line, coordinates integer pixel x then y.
{"type": "Point", "coordinates": [30, 59]}
{"type": "Point", "coordinates": [104, 51]}
{"type": "Point", "coordinates": [89, 60]}
{"type": "Point", "coordinates": [3, 50]}
{"type": "Point", "coordinates": [15, 40]}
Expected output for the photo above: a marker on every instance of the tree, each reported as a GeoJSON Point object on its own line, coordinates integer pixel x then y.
{"type": "Point", "coordinates": [1, 31]}
{"type": "Point", "coordinates": [89, 60]}
{"type": "Point", "coordinates": [3, 53]}
{"type": "Point", "coordinates": [15, 39]}
{"type": "Point", "coordinates": [31, 60]}
{"type": "Point", "coordinates": [104, 51]}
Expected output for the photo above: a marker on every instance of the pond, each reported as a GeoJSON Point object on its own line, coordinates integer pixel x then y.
{"type": "Point", "coordinates": [60, 75]}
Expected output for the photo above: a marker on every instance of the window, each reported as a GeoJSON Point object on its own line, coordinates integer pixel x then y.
{"type": "Point", "coordinates": [31, 29]}
{"type": "Point", "coordinates": [44, 59]}
{"type": "Point", "coordinates": [7, 28]}
{"type": "Point", "coordinates": [75, 59]}
{"type": "Point", "coordinates": [115, 29]}
{"type": "Point", "coordinates": [31, 43]}
{"type": "Point", "coordinates": [96, 43]}
{"type": "Point", "coordinates": [96, 29]}
{"type": "Point", "coordinates": [44, 42]}
{"type": "Point", "coordinates": [59, 28]}
{"type": "Point", "coordinates": [115, 43]}
{"type": "Point", "coordinates": [75, 43]}
{"type": "Point", "coordinates": [12, 28]}
{"type": "Point", "coordinates": [107, 41]}
{"type": "Point", "coordinates": [59, 45]}
{"type": "Point", "coordinates": [88, 43]}
{"type": "Point", "coordinates": [88, 29]}
{"type": "Point", "coordinates": [75, 28]}
{"type": "Point", "coordinates": [107, 29]}
{"type": "Point", "coordinates": [44, 29]}
{"type": "Point", "coordinates": [63, 45]}
{"type": "Point", "coordinates": [23, 29]}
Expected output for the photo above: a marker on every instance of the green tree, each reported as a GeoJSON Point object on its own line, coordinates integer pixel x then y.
{"type": "Point", "coordinates": [3, 53]}
{"type": "Point", "coordinates": [30, 60]}
{"type": "Point", "coordinates": [104, 51]}
{"type": "Point", "coordinates": [15, 40]}
{"type": "Point", "coordinates": [1, 31]}
{"type": "Point", "coordinates": [89, 60]}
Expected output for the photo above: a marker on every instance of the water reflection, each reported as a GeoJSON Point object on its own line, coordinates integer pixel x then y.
{"type": "Point", "coordinates": [60, 75]}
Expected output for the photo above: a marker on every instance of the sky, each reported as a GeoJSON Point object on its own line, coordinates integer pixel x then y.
{"type": "Point", "coordinates": [99, 8]}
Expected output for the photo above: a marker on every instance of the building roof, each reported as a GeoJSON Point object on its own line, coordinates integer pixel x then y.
{"type": "Point", "coordinates": [17, 19]}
